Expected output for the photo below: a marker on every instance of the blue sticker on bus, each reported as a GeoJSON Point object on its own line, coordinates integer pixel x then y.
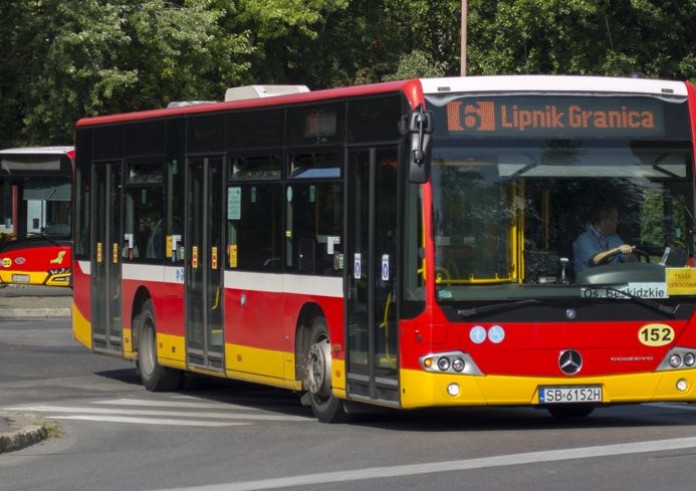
{"type": "Point", "coordinates": [477, 334]}
{"type": "Point", "coordinates": [496, 334]}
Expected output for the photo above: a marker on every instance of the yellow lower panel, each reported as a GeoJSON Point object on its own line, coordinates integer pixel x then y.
{"type": "Point", "coordinates": [82, 329]}
{"type": "Point", "coordinates": [34, 278]}
{"type": "Point", "coordinates": [422, 389]}
{"type": "Point", "coordinates": [268, 367]}
{"type": "Point", "coordinates": [264, 380]}
{"type": "Point", "coordinates": [60, 279]}
{"type": "Point", "coordinates": [267, 363]}
{"type": "Point", "coordinates": [171, 351]}
{"type": "Point", "coordinates": [338, 378]}
{"type": "Point", "coordinates": [128, 342]}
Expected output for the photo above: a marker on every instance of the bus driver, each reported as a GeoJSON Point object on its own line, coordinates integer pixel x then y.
{"type": "Point", "coordinates": [599, 243]}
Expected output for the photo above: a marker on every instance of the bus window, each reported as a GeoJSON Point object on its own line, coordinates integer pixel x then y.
{"type": "Point", "coordinates": [144, 227]}
{"type": "Point", "coordinates": [314, 230]}
{"type": "Point", "coordinates": [472, 223]}
{"type": "Point", "coordinates": [253, 228]}
{"type": "Point", "coordinates": [251, 167]}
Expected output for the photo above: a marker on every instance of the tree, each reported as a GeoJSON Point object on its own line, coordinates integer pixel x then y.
{"type": "Point", "coordinates": [99, 57]}
{"type": "Point", "coordinates": [605, 37]}
{"type": "Point", "coordinates": [20, 55]}
{"type": "Point", "coordinates": [416, 64]}
{"type": "Point", "coordinates": [64, 59]}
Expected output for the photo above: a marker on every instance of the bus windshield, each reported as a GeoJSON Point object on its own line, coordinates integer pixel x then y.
{"type": "Point", "coordinates": [511, 216]}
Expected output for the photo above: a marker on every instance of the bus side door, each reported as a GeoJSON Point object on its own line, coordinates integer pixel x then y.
{"type": "Point", "coordinates": [371, 327]}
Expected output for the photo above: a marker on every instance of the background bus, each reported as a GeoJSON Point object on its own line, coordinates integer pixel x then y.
{"type": "Point", "coordinates": [405, 245]}
{"type": "Point", "coordinates": [35, 212]}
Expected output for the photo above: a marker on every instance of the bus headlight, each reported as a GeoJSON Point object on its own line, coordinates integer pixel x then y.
{"type": "Point", "coordinates": [678, 359]}
{"type": "Point", "coordinates": [452, 362]}
{"type": "Point", "coordinates": [443, 364]}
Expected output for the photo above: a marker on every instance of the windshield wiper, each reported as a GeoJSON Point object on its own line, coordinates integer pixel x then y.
{"type": "Point", "coordinates": [646, 302]}
{"type": "Point", "coordinates": [485, 309]}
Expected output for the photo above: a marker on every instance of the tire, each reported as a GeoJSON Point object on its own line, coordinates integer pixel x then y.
{"type": "Point", "coordinates": [562, 411]}
{"type": "Point", "coordinates": [316, 375]}
{"type": "Point", "coordinates": [154, 376]}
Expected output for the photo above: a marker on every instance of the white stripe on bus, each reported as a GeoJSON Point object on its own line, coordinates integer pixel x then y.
{"type": "Point", "coordinates": [325, 286]}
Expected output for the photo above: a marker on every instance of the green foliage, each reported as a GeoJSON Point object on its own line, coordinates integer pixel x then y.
{"type": "Point", "coordinates": [96, 57]}
{"type": "Point", "coordinates": [604, 37]}
{"type": "Point", "coordinates": [416, 64]}
{"type": "Point", "coordinates": [64, 59]}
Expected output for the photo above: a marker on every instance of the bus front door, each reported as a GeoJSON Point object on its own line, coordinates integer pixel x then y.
{"type": "Point", "coordinates": [107, 328]}
{"type": "Point", "coordinates": [205, 258]}
{"type": "Point", "coordinates": [371, 320]}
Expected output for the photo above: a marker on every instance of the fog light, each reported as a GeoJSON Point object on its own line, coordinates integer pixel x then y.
{"type": "Point", "coordinates": [453, 390]}
{"type": "Point", "coordinates": [682, 385]}
{"type": "Point", "coordinates": [675, 361]}
{"type": "Point", "coordinates": [443, 364]}
{"type": "Point", "coordinates": [689, 359]}
{"type": "Point", "coordinates": [458, 365]}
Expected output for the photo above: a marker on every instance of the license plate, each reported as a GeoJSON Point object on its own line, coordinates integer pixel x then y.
{"type": "Point", "coordinates": [569, 395]}
{"type": "Point", "coordinates": [20, 278]}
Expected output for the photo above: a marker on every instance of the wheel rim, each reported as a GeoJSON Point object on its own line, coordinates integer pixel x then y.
{"type": "Point", "coordinates": [146, 355]}
{"type": "Point", "coordinates": [318, 369]}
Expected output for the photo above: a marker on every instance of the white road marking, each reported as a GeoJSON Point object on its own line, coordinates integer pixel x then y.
{"type": "Point", "coordinates": [149, 412]}
{"type": "Point", "coordinates": [454, 465]}
{"type": "Point", "coordinates": [168, 403]}
{"type": "Point", "coordinates": [147, 421]}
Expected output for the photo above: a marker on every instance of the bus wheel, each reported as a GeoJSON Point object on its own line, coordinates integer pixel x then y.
{"type": "Point", "coordinates": [563, 411]}
{"type": "Point", "coordinates": [317, 376]}
{"type": "Point", "coordinates": [154, 376]}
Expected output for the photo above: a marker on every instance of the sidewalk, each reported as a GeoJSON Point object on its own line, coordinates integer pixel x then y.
{"type": "Point", "coordinates": [37, 302]}
{"type": "Point", "coordinates": [18, 430]}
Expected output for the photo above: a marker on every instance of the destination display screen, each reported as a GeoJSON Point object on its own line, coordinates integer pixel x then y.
{"type": "Point", "coordinates": [561, 117]}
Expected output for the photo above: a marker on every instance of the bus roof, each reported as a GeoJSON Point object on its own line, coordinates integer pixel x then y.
{"type": "Point", "coordinates": [53, 150]}
{"type": "Point", "coordinates": [554, 83]}
{"type": "Point", "coordinates": [411, 88]}
{"type": "Point", "coordinates": [415, 88]}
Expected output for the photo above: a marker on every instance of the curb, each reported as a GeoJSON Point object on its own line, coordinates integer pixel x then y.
{"type": "Point", "coordinates": [40, 313]}
{"type": "Point", "coordinates": [30, 430]}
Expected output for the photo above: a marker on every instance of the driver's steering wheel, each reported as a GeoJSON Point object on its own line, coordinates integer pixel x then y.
{"type": "Point", "coordinates": [640, 254]}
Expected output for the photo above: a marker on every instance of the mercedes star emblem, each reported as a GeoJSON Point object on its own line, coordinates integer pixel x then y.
{"type": "Point", "coordinates": [570, 362]}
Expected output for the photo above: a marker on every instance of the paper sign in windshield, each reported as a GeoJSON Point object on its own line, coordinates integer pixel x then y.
{"type": "Point", "coordinates": [681, 281]}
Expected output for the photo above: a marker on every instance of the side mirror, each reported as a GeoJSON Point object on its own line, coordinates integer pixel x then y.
{"type": "Point", "coordinates": [420, 128]}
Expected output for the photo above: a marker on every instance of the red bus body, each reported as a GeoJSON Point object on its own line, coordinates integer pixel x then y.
{"type": "Point", "coordinates": [37, 253]}
{"type": "Point", "coordinates": [467, 301]}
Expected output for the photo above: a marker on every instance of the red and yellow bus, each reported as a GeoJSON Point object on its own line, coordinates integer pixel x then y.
{"type": "Point", "coordinates": [405, 245]}
{"type": "Point", "coordinates": [35, 205]}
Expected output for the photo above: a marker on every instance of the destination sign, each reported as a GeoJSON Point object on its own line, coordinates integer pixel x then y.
{"type": "Point", "coordinates": [556, 117]}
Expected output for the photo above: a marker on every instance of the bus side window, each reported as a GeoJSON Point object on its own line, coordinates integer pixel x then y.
{"type": "Point", "coordinates": [143, 207]}
{"type": "Point", "coordinates": [315, 225]}
{"type": "Point", "coordinates": [253, 228]}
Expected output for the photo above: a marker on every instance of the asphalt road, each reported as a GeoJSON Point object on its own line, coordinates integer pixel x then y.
{"type": "Point", "coordinates": [234, 436]}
